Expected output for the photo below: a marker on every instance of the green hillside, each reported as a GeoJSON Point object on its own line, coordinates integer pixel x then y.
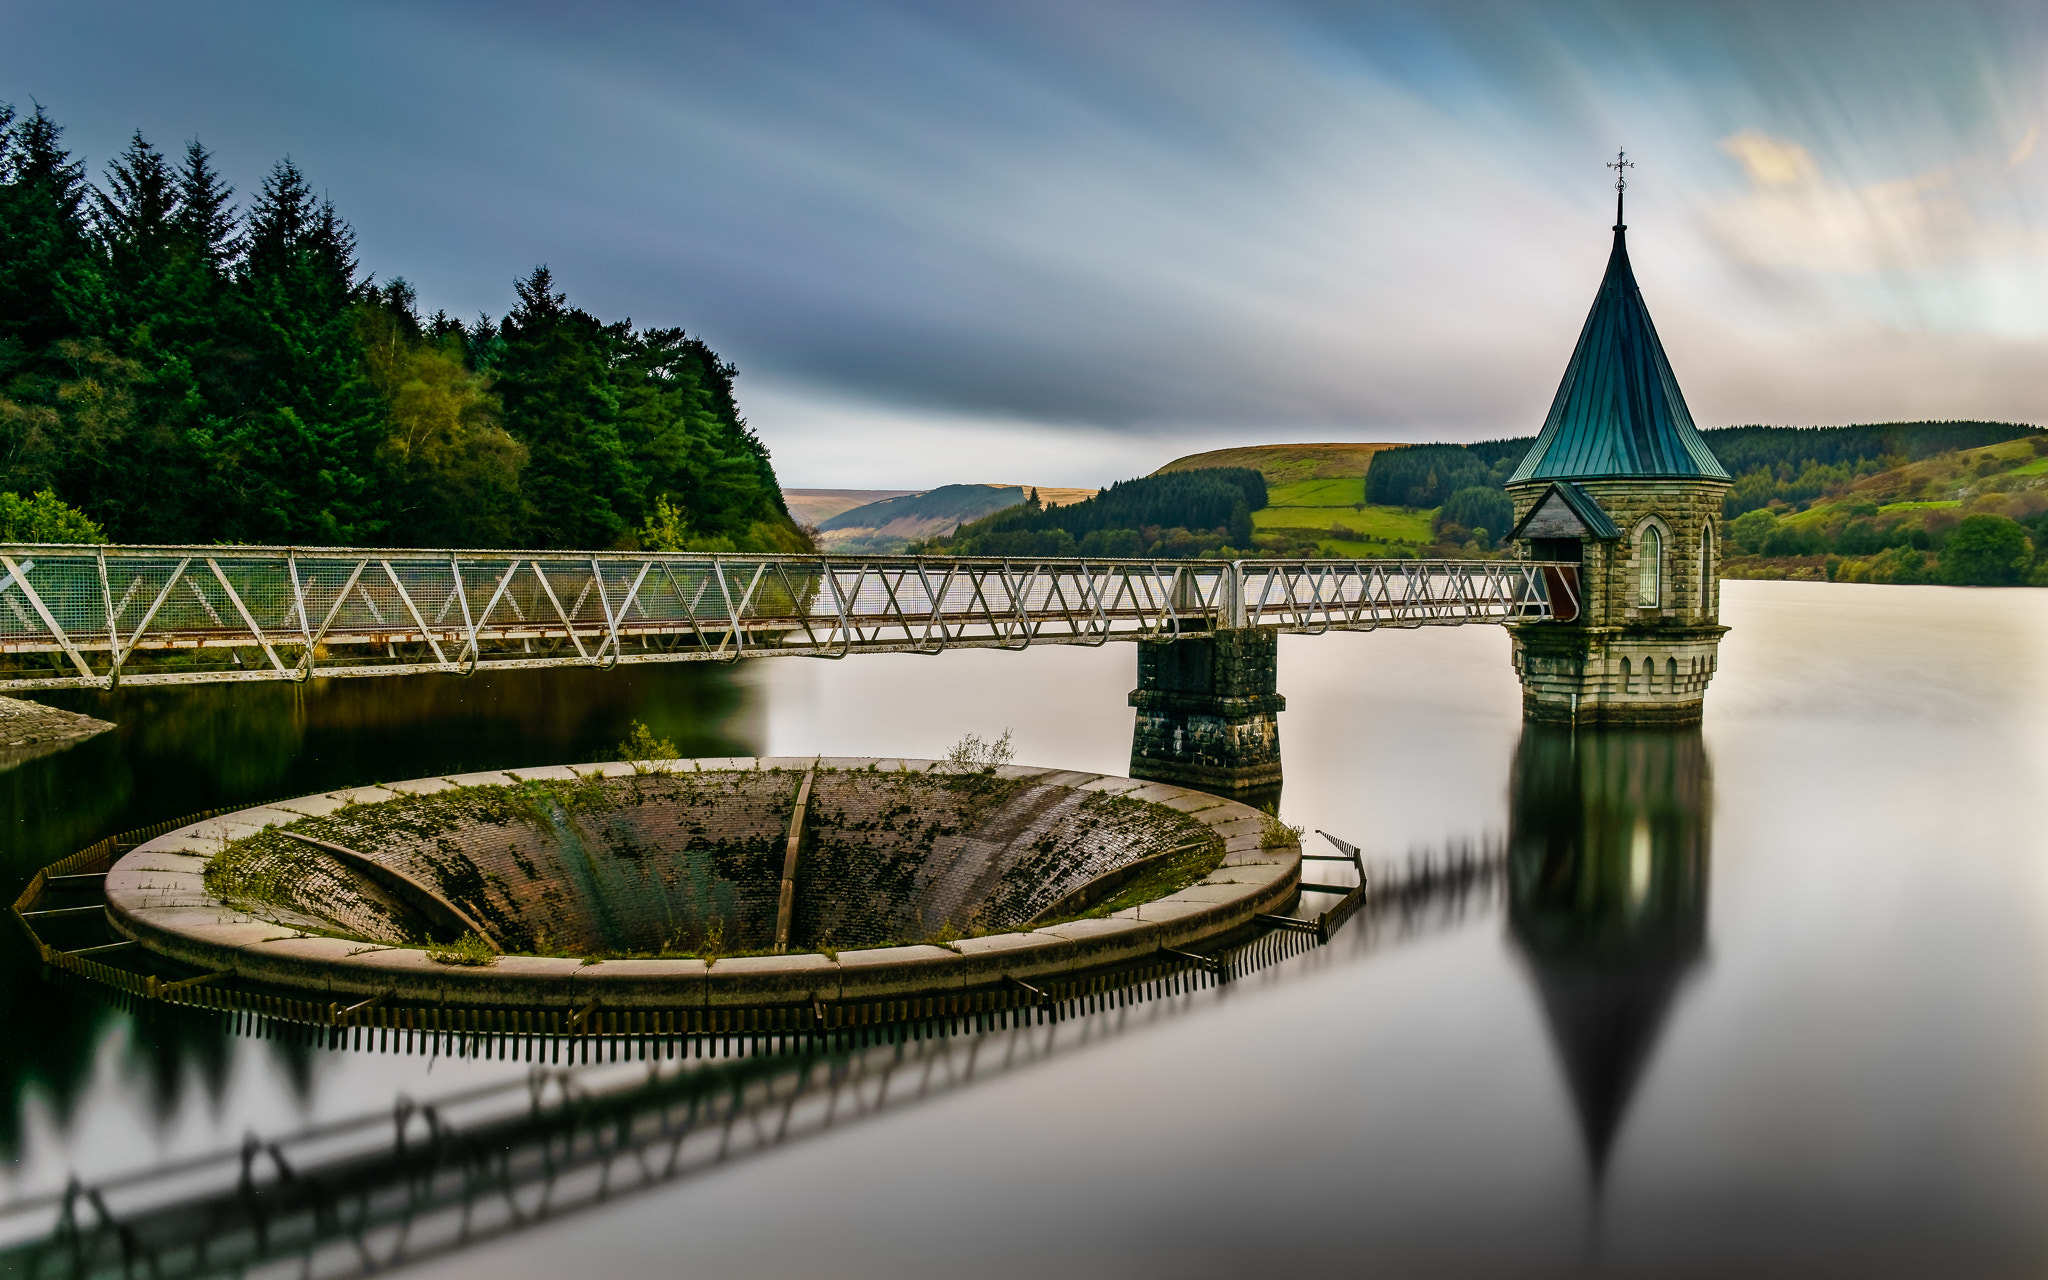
{"type": "Point", "coordinates": [1330, 517]}
{"type": "Point", "coordinates": [1178, 516]}
{"type": "Point", "coordinates": [1317, 505]}
{"type": "Point", "coordinates": [1969, 517]}
{"type": "Point", "coordinates": [1285, 464]}
{"type": "Point", "coordinates": [956, 502]}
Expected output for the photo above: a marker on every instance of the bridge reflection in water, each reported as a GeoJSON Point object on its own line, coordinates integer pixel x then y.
{"type": "Point", "coordinates": [433, 1178]}
{"type": "Point", "coordinates": [1605, 879]}
{"type": "Point", "coordinates": [1607, 900]}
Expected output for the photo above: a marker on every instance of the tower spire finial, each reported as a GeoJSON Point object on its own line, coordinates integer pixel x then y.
{"type": "Point", "coordinates": [1621, 164]}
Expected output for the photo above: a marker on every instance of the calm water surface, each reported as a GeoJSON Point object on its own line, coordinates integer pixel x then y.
{"type": "Point", "coordinates": [1764, 998]}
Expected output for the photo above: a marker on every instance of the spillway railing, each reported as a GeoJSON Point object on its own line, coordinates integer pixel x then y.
{"type": "Point", "coordinates": [61, 913]}
{"type": "Point", "coordinates": [366, 1196]}
{"type": "Point", "coordinates": [425, 1180]}
{"type": "Point", "coordinates": [98, 617]}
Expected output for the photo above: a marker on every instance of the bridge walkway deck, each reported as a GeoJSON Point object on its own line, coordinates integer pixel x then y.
{"type": "Point", "coordinates": [100, 616]}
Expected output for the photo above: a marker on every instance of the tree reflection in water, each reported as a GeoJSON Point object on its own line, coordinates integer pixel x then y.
{"type": "Point", "coordinates": [1607, 900]}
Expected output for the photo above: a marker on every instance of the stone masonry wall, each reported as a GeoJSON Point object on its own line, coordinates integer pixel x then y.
{"type": "Point", "coordinates": [1684, 510]}
{"type": "Point", "coordinates": [1616, 677]}
{"type": "Point", "coordinates": [1623, 662]}
{"type": "Point", "coordinates": [1208, 710]}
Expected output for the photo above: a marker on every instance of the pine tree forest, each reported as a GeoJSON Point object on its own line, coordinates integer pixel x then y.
{"type": "Point", "coordinates": [178, 367]}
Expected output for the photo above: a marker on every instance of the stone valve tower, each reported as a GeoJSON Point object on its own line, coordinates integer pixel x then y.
{"type": "Point", "coordinates": [1622, 490]}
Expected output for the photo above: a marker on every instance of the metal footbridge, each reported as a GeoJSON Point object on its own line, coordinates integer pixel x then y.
{"type": "Point", "coordinates": [101, 616]}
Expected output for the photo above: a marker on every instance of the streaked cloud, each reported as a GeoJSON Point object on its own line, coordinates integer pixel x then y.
{"type": "Point", "coordinates": [936, 235]}
{"type": "Point", "coordinates": [1793, 216]}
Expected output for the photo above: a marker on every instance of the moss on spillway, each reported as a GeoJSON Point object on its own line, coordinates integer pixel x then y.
{"type": "Point", "coordinates": [690, 862]}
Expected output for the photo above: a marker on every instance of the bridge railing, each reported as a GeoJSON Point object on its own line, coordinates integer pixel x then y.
{"type": "Point", "coordinates": [74, 616]}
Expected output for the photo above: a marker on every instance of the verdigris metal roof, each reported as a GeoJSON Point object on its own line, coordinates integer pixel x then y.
{"type": "Point", "coordinates": [1618, 411]}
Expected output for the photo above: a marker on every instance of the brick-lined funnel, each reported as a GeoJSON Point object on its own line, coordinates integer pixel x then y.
{"type": "Point", "coordinates": [600, 859]}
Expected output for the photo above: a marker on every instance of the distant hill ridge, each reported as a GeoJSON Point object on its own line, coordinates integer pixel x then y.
{"type": "Point", "coordinates": [894, 520]}
{"type": "Point", "coordinates": [947, 502]}
{"type": "Point", "coordinates": [1382, 499]}
{"type": "Point", "coordinates": [1763, 460]}
{"type": "Point", "coordinates": [1205, 511]}
{"type": "Point", "coordinates": [1739, 448]}
{"type": "Point", "coordinates": [1285, 463]}
{"type": "Point", "coordinates": [810, 506]}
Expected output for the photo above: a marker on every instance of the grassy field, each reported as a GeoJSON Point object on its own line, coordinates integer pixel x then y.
{"type": "Point", "coordinates": [1287, 464]}
{"type": "Point", "coordinates": [1339, 491]}
{"type": "Point", "coordinates": [1330, 514]}
{"type": "Point", "coordinates": [1375, 524]}
{"type": "Point", "coordinates": [1995, 477]}
{"type": "Point", "coordinates": [1316, 501]}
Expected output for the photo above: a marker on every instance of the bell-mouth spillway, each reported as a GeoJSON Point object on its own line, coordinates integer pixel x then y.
{"type": "Point", "coordinates": [701, 883]}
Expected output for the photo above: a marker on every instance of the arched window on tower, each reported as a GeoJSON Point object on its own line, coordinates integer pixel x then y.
{"type": "Point", "coordinates": [1649, 568]}
{"type": "Point", "coordinates": [1707, 583]}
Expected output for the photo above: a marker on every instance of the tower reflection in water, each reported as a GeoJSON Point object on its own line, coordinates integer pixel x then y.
{"type": "Point", "coordinates": [1607, 900]}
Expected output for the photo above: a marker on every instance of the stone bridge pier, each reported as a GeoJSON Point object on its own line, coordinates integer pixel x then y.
{"type": "Point", "coordinates": [1209, 712]}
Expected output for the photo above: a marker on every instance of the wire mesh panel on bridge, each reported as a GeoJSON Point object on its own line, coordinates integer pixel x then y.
{"type": "Point", "coordinates": [97, 616]}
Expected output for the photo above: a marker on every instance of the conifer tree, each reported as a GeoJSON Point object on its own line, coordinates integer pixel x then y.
{"type": "Point", "coordinates": [51, 297]}
{"type": "Point", "coordinates": [48, 285]}
{"type": "Point", "coordinates": [297, 459]}
{"type": "Point", "coordinates": [167, 235]}
{"type": "Point", "coordinates": [205, 217]}
{"type": "Point", "coordinates": [177, 372]}
{"type": "Point", "coordinates": [553, 379]}
{"type": "Point", "coordinates": [134, 214]}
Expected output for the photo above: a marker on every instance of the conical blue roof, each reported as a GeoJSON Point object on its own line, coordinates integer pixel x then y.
{"type": "Point", "coordinates": [1618, 411]}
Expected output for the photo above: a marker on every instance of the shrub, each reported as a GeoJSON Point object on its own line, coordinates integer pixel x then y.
{"type": "Point", "coordinates": [1749, 530]}
{"type": "Point", "coordinates": [44, 518]}
{"type": "Point", "coordinates": [1986, 551]}
{"type": "Point", "coordinates": [469, 949]}
{"type": "Point", "coordinates": [1277, 834]}
{"type": "Point", "coordinates": [972, 755]}
{"type": "Point", "coordinates": [1789, 540]}
{"type": "Point", "coordinates": [645, 752]}
{"type": "Point", "coordinates": [1901, 565]}
{"type": "Point", "coordinates": [1860, 537]}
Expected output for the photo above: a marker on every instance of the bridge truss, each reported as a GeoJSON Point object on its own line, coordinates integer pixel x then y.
{"type": "Point", "coordinates": [97, 617]}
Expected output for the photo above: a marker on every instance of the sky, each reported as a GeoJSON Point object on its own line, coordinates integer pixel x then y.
{"type": "Point", "coordinates": [1064, 243]}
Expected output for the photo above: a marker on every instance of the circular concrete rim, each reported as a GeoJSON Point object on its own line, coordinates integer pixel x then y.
{"type": "Point", "coordinates": [157, 897]}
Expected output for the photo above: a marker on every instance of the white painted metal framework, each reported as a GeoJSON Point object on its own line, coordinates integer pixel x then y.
{"type": "Point", "coordinates": [94, 617]}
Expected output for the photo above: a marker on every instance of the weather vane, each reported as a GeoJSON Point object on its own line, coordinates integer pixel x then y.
{"type": "Point", "coordinates": [1621, 164]}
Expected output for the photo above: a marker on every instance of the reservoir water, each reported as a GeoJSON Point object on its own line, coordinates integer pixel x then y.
{"type": "Point", "coordinates": [1763, 998]}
